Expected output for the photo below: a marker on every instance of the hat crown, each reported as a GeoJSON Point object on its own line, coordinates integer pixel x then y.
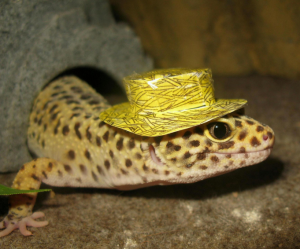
{"type": "Point", "coordinates": [171, 90]}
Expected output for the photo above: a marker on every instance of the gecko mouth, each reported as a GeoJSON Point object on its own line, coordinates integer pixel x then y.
{"type": "Point", "coordinates": [158, 161]}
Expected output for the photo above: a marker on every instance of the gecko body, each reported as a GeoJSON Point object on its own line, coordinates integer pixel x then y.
{"type": "Point", "coordinates": [74, 148]}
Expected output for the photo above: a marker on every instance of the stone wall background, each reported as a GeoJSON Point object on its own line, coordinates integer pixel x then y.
{"type": "Point", "coordinates": [42, 39]}
{"type": "Point", "coordinates": [232, 37]}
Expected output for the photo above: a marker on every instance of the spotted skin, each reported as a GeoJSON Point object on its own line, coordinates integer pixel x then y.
{"type": "Point", "coordinates": [75, 148]}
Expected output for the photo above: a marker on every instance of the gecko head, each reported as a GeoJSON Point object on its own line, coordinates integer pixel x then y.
{"type": "Point", "coordinates": [210, 149]}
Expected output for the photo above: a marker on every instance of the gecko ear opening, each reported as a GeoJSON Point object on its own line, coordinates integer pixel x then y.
{"type": "Point", "coordinates": [154, 157]}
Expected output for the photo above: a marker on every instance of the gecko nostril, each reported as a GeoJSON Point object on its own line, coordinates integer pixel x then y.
{"type": "Point", "coordinates": [265, 137]}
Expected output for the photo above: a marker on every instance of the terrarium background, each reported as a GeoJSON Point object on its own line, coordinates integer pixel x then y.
{"type": "Point", "coordinates": [233, 37]}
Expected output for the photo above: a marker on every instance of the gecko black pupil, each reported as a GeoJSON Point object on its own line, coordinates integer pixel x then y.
{"type": "Point", "coordinates": [219, 130]}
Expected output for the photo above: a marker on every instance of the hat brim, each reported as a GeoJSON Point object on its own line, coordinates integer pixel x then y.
{"type": "Point", "coordinates": [163, 123]}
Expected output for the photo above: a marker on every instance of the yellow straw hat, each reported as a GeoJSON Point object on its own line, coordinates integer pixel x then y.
{"type": "Point", "coordinates": [168, 100]}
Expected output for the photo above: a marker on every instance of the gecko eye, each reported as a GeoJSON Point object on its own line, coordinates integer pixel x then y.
{"type": "Point", "coordinates": [219, 130]}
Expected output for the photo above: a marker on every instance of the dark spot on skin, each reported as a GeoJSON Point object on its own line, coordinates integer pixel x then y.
{"type": "Point", "coordinates": [238, 123]}
{"type": "Point", "coordinates": [71, 154]}
{"type": "Point", "coordinates": [158, 140]}
{"type": "Point", "coordinates": [44, 174]}
{"type": "Point", "coordinates": [198, 130]}
{"type": "Point", "coordinates": [101, 124]}
{"type": "Point", "coordinates": [65, 130]}
{"type": "Point", "coordinates": [145, 168]}
{"type": "Point", "coordinates": [45, 127]}
{"type": "Point", "coordinates": [54, 94]}
{"type": "Point", "coordinates": [226, 167]}
{"type": "Point", "coordinates": [98, 141]}
{"type": "Point", "coordinates": [215, 159]}
{"type": "Point", "coordinates": [83, 169]}
{"type": "Point", "coordinates": [144, 179]}
{"type": "Point", "coordinates": [208, 143]}
{"type": "Point", "coordinates": [53, 108]}
{"type": "Point", "coordinates": [87, 154]}
{"type": "Point", "coordinates": [138, 156]}
{"type": "Point", "coordinates": [33, 166]}
{"type": "Point", "coordinates": [54, 115]}
{"type": "Point", "coordinates": [131, 143]}
{"type": "Point", "coordinates": [107, 164]}
{"type": "Point", "coordinates": [254, 142]}
{"type": "Point", "coordinates": [111, 154]}
{"type": "Point", "coordinates": [100, 171]}
{"type": "Point", "coordinates": [94, 102]}
{"type": "Point", "coordinates": [76, 128]}
{"type": "Point", "coordinates": [167, 172]}
{"type": "Point", "coordinates": [177, 147]}
{"type": "Point", "coordinates": [260, 128]}
{"type": "Point", "coordinates": [65, 97]}
{"type": "Point", "coordinates": [226, 145]}
{"type": "Point", "coordinates": [67, 168]}
{"type": "Point", "coordinates": [172, 135]}
{"type": "Point", "coordinates": [203, 167]}
{"type": "Point", "coordinates": [105, 136]}
{"type": "Point", "coordinates": [242, 163]}
{"type": "Point", "coordinates": [249, 122]}
{"type": "Point", "coordinates": [169, 145]}
{"type": "Point", "coordinates": [77, 108]}
{"type": "Point", "coordinates": [22, 168]}
{"type": "Point", "coordinates": [155, 171]}
{"type": "Point", "coordinates": [179, 174]}
{"type": "Point", "coordinates": [174, 159]}
{"type": "Point", "coordinates": [201, 156]}
{"type": "Point", "coordinates": [43, 143]}
{"type": "Point", "coordinates": [242, 150]}
{"type": "Point", "coordinates": [56, 127]}
{"type": "Point", "coordinates": [76, 89]}
{"type": "Point", "coordinates": [40, 121]}
{"type": "Point", "coordinates": [46, 104]}
{"type": "Point", "coordinates": [186, 135]}
{"type": "Point", "coordinates": [270, 135]}
{"type": "Point", "coordinates": [69, 102]}
{"type": "Point", "coordinates": [78, 179]}
{"type": "Point", "coordinates": [195, 143]}
{"type": "Point", "coordinates": [242, 135]}
{"type": "Point", "coordinates": [246, 155]}
{"type": "Point", "coordinates": [128, 163]}
{"type": "Point", "coordinates": [124, 171]}
{"type": "Point", "coordinates": [187, 155]}
{"type": "Point", "coordinates": [88, 134]}
{"type": "Point", "coordinates": [228, 156]}
{"type": "Point", "coordinates": [95, 177]}
{"type": "Point", "coordinates": [189, 165]}
{"type": "Point", "coordinates": [50, 165]}
{"type": "Point", "coordinates": [74, 115]}
{"type": "Point", "coordinates": [35, 177]}
{"type": "Point", "coordinates": [120, 144]}
{"type": "Point", "coordinates": [85, 96]}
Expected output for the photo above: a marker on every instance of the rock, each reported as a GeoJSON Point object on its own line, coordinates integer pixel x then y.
{"type": "Point", "coordinates": [40, 40]}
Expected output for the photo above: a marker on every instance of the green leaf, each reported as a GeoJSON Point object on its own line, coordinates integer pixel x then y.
{"type": "Point", "coordinates": [10, 191]}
